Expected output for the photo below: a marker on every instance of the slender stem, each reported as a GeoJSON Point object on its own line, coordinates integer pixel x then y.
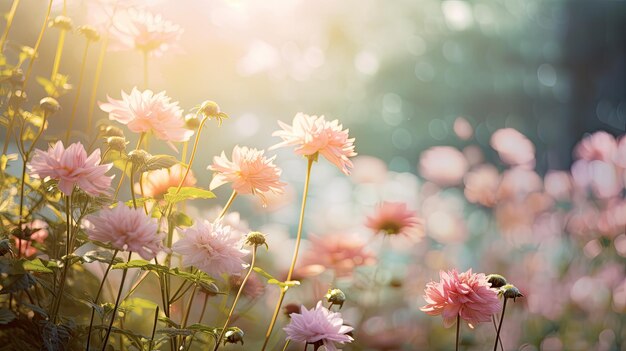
{"type": "Point", "coordinates": [95, 301]}
{"type": "Point", "coordinates": [117, 304]}
{"type": "Point", "coordinates": [232, 309]}
{"type": "Point", "coordinates": [189, 303]}
{"type": "Point", "coordinates": [68, 218]}
{"type": "Point", "coordinates": [81, 76]}
{"type": "Point", "coordinates": [154, 324]}
{"type": "Point", "coordinates": [145, 69]}
{"type": "Point", "coordinates": [206, 300]}
{"type": "Point", "coordinates": [132, 192]}
{"type": "Point", "coordinates": [495, 327]}
{"type": "Point", "coordinates": [227, 206]}
{"type": "Point", "coordinates": [10, 17]}
{"type": "Point", "coordinates": [57, 56]}
{"type": "Point", "coordinates": [458, 328]}
{"type": "Point", "coordinates": [37, 44]}
{"type": "Point", "coordinates": [311, 159]}
{"type": "Point", "coordinates": [495, 347]}
{"type": "Point", "coordinates": [193, 154]}
{"type": "Point", "coordinates": [96, 82]}
{"type": "Point", "coordinates": [286, 345]}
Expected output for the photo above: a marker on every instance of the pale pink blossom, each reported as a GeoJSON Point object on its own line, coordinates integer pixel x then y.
{"type": "Point", "coordinates": [312, 134]}
{"type": "Point", "coordinates": [144, 31]}
{"type": "Point", "coordinates": [318, 326]}
{"type": "Point", "coordinates": [558, 184]}
{"type": "Point", "coordinates": [339, 252]}
{"type": "Point", "coordinates": [126, 229]}
{"type": "Point", "coordinates": [462, 128]}
{"type": "Point", "coordinates": [212, 248]}
{"type": "Point", "coordinates": [156, 183]}
{"type": "Point", "coordinates": [394, 218]}
{"type": "Point", "coordinates": [518, 182]}
{"type": "Point", "coordinates": [467, 295]}
{"type": "Point", "coordinates": [250, 172]}
{"type": "Point", "coordinates": [513, 147]}
{"type": "Point", "coordinates": [443, 165]}
{"type": "Point", "coordinates": [601, 177]}
{"type": "Point", "coordinates": [38, 234]}
{"type": "Point", "coordinates": [597, 146]}
{"type": "Point", "coordinates": [145, 112]}
{"type": "Point", "coordinates": [369, 169]}
{"type": "Point", "coordinates": [481, 185]}
{"type": "Point", "coordinates": [72, 168]}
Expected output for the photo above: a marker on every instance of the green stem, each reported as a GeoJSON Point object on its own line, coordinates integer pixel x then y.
{"type": "Point", "coordinates": [145, 69]}
{"type": "Point", "coordinates": [57, 55]}
{"type": "Point", "coordinates": [227, 206]}
{"type": "Point", "coordinates": [458, 329]}
{"type": "Point", "coordinates": [495, 327]}
{"type": "Point", "coordinates": [10, 17]}
{"type": "Point", "coordinates": [232, 309]}
{"type": "Point", "coordinates": [81, 76]}
{"type": "Point", "coordinates": [495, 347]}
{"type": "Point", "coordinates": [37, 44]}
{"type": "Point", "coordinates": [311, 159]}
{"type": "Point", "coordinates": [154, 325]}
{"type": "Point", "coordinates": [68, 218]}
{"type": "Point", "coordinates": [117, 304]}
{"type": "Point", "coordinates": [95, 301]}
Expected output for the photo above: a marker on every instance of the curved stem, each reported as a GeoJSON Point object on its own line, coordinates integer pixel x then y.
{"type": "Point", "coordinates": [81, 76]}
{"type": "Point", "coordinates": [57, 55]}
{"type": "Point", "coordinates": [132, 191]}
{"type": "Point", "coordinates": [37, 44]}
{"type": "Point", "coordinates": [495, 347]}
{"type": "Point", "coordinates": [227, 206]}
{"type": "Point", "coordinates": [154, 324]}
{"type": "Point", "coordinates": [145, 69]}
{"type": "Point", "coordinates": [193, 154]}
{"type": "Point", "coordinates": [68, 218]}
{"type": "Point", "coordinates": [458, 328]}
{"type": "Point", "coordinates": [10, 17]}
{"type": "Point", "coordinates": [117, 304]}
{"type": "Point", "coordinates": [95, 301]}
{"type": "Point", "coordinates": [495, 327]}
{"type": "Point", "coordinates": [232, 309]}
{"type": "Point", "coordinates": [305, 192]}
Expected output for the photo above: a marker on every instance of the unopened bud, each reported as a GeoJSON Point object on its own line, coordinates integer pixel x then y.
{"type": "Point", "coordinates": [335, 297]}
{"type": "Point", "coordinates": [89, 32]}
{"type": "Point", "coordinates": [509, 291]}
{"type": "Point", "coordinates": [61, 22]}
{"type": "Point", "coordinates": [191, 122]}
{"type": "Point", "coordinates": [233, 335]}
{"type": "Point", "coordinates": [50, 105]}
{"type": "Point", "coordinates": [210, 109]}
{"type": "Point", "coordinates": [110, 131]}
{"type": "Point", "coordinates": [496, 280]}
{"type": "Point", "coordinates": [139, 157]}
{"type": "Point", "coordinates": [256, 239]}
{"type": "Point", "coordinates": [209, 288]}
{"type": "Point", "coordinates": [117, 143]}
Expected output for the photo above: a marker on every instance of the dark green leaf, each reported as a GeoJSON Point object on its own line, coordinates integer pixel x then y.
{"type": "Point", "coordinates": [6, 316]}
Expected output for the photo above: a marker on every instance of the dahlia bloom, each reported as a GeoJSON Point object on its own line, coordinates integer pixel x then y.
{"type": "Point", "coordinates": [597, 146]}
{"type": "Point", "coordinates": [318, 325]}
{"type": "Point", "coordinates": [156, 183]}
{"type": "Point", "coordinates": [38, 236]}
{"type": "Point", "coordinates": [146, 112]}
{"type": "Point", "coordinates": [212, 248]}
{"type": "Point", "coordinates": [249, 171]}
{"type": "Point", "coordinates": [313, 134]}
{"type": "Point", "coordinates": [393, 218]}
{"type": "Point", "coordinates": [125, 229]}
{"type": "Point", "coordinates": [71, 167]}
{"type": "Point", "coordinates": [144, 31]}
{"type": "Point", "coordinates": [467, 295]}
{"type": "Point", "coordinates": [342, 253]}
{"type": "Point", "coordinates": [443, 165]}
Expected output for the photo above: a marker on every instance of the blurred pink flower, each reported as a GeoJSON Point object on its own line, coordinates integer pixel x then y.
{"type": "Point", "coordinates": [481, 185]}
{"type": "Point", "coordinates": [513, 147]}
{"type": "Point", "coordinates": [125, 229]}
{"type": "Point", "coordinates": [462, 128]}
{"type": "Point", "coordinates": [212, 248]}
{"type": "Point", "coordinates": [369, 169]}
{"type": "Point", "coordinates": [144, 31]}
{"type": "Point", "coordinates": [318, 326]}
{"type": "Point", "coordinates": [443, 165]}
{"type": "Point", "coordinates": [156, 183]}
{"type": "Point", "coordinates": [313, 134]}
{"type": "Point", "coordinates": [603, 178]}
{"type": "Point", "coordinates": [518, 182]}
{"type": "Point", "coordinates": [558, 184]}
{"type": "Point", "coordinates": [249, 171]}
{"type": "Point", "coordinates": [392, 218]}
{"type": "Point", "coordinates": [39, 235]}
{"type": "Point", "coordinates": [466, 294]}
{"type": "Point", "coordinates": [341, 253]}
{"type": "Point", "coordinates": [146, 112]}
{"type": "Point", "coordinates": [71, 167]}
{"type": "Point", "coordinates": [597, 146]}
{"type": "Point", "coordinates": [253, 288]}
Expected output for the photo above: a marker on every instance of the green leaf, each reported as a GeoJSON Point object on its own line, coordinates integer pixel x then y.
{"type": "Point", "coordinates": [187, 193]}
{"type": "Point", "coordinates": [263, 273]}
{"type": "Point", "coordinates": [204, 328]}
{"type": "Point", "coordinates": [157, 162]}
{"type": "Point", "coordinates": [180, 219]}
{"type": "Point", "coordinates": [35, 265]}
{"type": "Point", "coordinates": [100, 256]}
{"type": "Point", "coordinates": [6, 316]}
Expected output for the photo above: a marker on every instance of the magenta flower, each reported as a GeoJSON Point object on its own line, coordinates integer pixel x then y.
{"type": "Point", "coordinates": [212, 248]}
{"type": "Point", "coordinates": [467, 295]}
{"type": "Point", "coordinates": [125, 229]}
{"type": "Point", "coordinates": [250, 172]}
{"type": "Point", "coordinates": [146, 112]}
{"type": "Point", "coordinates": [141, 30]}
{"type": "Point", "coordinates": [318, 326]}
{"type": "Point", "coordinates": [71, 167]}
{"type": "Point", "coordinates": [394, 218]}
{"type": "Point", "coordinates": [313, 134]}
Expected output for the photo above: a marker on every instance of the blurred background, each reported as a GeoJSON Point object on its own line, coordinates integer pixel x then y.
{"type": "Point", "coordinates": [405, 76]}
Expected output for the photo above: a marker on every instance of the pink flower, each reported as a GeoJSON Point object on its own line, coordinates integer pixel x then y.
{"type": "Point", "coordinates": [144, 31]}
{"type": "Point", "coordinates": [462, 128]}
{"type": "Point", "coordinates": [249, 171]}
{"type": "Point", "coordinates": [466, 294]}
{"type": "Point", "coordinates": [156, 183]}
{"type": "Point", "coordinates": [443, 165]}
{"type": "Point", "coordinates": [393, 218]}
{"type": "Point", "coordinates": [313, 134]}
{"type": "Point", "coordinates": [318, 326]}
{"type": "Point", "coordinates": [71, 167]}
{"type": "Point", "coordinates": [125, 229]}
{"type": "Point", "coordinates": [39, 235]}
{"type": "Point", "coordinates": [513, 147]}
{"type": "Point", "coordinates": [369, 169]}
{"type": "Point", "coordinates": [253, 288]}
{"type": "Point", "coordinates": [481, 185]}
{"type": "Point", "coordinates": [212, 248]}
{"type": "Point", "coordinates": [146, 112]}
{"type": "Point", "coordinates": [341, 253]}
{"type": "Point", "coordinates": [597, 146]}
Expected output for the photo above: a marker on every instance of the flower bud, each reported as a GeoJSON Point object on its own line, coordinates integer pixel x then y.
{"type": "Point", "coordinates": [110, 131]}
{"type": "Point", "coordinates": [209, 288]}
{"type": "Point", "coordinates": [61, 22]}
{"type": "Point", "coordinates": [89, 32]}
{"type": "Point", "coordinates": [496, 280]}
{"type": "Point", "coordinates": [210, 109]}
{"type": "Point", "coordinates": [139, 157]}
{"type": "Point", "coordinates": [335, 297]}
{"type": "Point", "coordinates": [117, 143]}
{"type": "Point", "coordinates": [509, 291]}
{"type": "Point", "coordinates": [256, 239]}
{"type": "Point", "coordinates": [50, 105]}
{"type": "Point", "coordinates": [191, 122]}
{"type": "Point", "coordinates": [233, 336]}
